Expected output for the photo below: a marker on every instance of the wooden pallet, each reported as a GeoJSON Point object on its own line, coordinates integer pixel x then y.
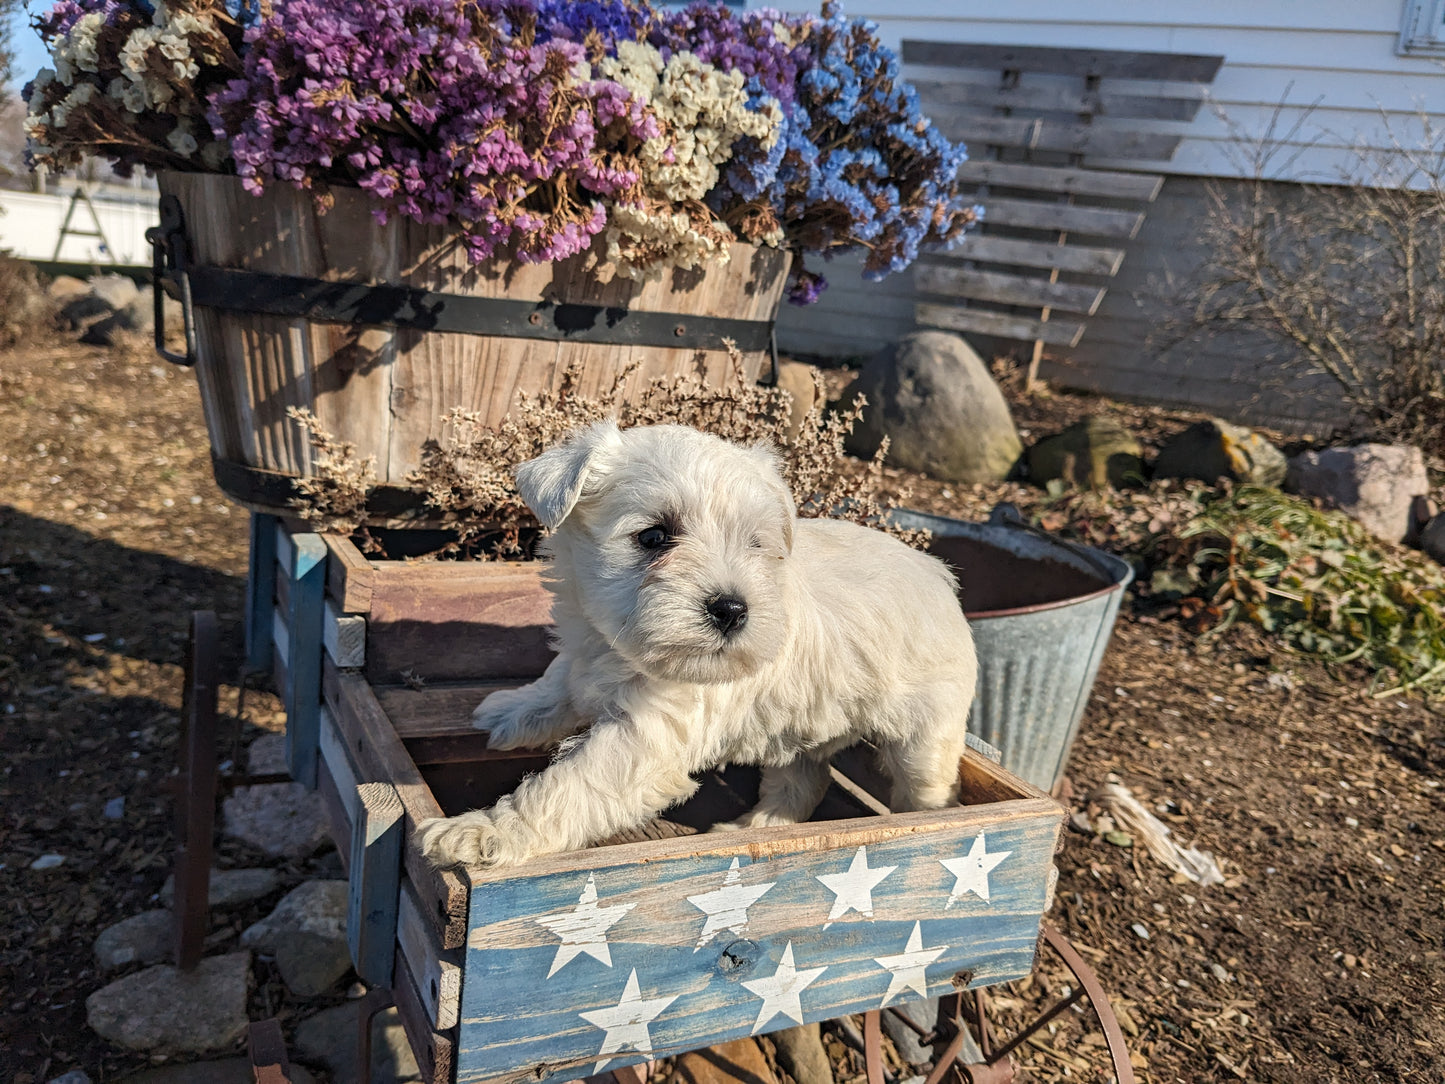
{"type": "Point", "coordinates": [1055, 229]}
{"type": "Point", "coordinates": [504, 975]}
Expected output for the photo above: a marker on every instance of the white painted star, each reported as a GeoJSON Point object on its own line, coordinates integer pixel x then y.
{"type": "Point", "coordinates": [853, 889]}
{"type": "Point", "coordinates": [780, 991]}
{"type": "Point", "coordinates": [584, 929]}
{"type": "Point", "coordinates": [908, 966]}
{"type": "Point", "coordinates": [727, 907]}
{"type": "Point", "coordinates": [972, 870]}
{"type": "Point", "coordinates": [626, 1022]}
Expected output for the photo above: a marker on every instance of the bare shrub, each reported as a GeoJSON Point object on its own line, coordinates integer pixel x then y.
{"type": "Point", "coordinates": [1350, 277]}
{"type": "Point", "coordinates": [26, 311]}
{"type": "Point", "coordinates": [467, 475]}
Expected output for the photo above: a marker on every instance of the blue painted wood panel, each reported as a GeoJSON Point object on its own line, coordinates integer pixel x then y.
{"type": "Point", "coordinates": [573, 970]}
{"type": "Point", "coordinates": [260, 588]}
{"type": "Point", "coordinates": [302, 694]}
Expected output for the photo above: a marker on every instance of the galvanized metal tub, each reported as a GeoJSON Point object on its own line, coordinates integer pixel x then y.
{"type": "Point", "coordinates": [1042, 610]}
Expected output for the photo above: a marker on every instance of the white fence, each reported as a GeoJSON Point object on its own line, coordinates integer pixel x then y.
{"type": "Point", "coordinates": [30, 226]}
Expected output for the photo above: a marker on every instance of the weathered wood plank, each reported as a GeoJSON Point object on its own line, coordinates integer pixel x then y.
{"type": "Point", "coordinates": [281, 586]}
{"type": "Point", "coordinates": [436, 710]}
{"type": "Point", "coordinates": [303, 660]}
{"type": "Point", "coordinates": [1095, 63]}
{"type": "Point", "coordinates": [1043, 135]}
{"type": "Point", "coordinates": [280, 638]}
{"type": "Point", "coordinates": [1079, 259]}
{"type": "Point", "coordinates": [338, 825]}
{"type": "Point", "coordinates": [260, 588]}
{"type": "Point", "coordinates": [1040, 215]}
{"type": "Point", "coordinates": [694, 940]}
{"type": "Point", "coordinates": [339, 763]}
{"type": "Point", "coordinates": [380, 756]}
{"type": "Point", "coordinates": [985, 322]}
{"type": "Point", "coordinates": [436, 972]}
{"type": "Point", "coordinates": [349, 575]}
{"type": "Point", "coordinates": [937, 94]}
{"type": "Point", "coordinates": [1062, 180]}
{"type": "Point", "coordinates": [1007, 289]}
{"type": "Point", "coordinates": [374, 882]}
{"type": "Point", "coordinates": [452, 620]}
{"type": "Point", "coordinates": [435, 1052]}
{"type": "Point", "coordinates": [344, 636]}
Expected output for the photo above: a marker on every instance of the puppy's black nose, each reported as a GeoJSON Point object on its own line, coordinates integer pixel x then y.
{"type": "Point", "coordinates": [727, 613]}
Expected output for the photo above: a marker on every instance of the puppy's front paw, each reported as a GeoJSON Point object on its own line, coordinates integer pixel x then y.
{"type": "Point", "coordinates": [469, 840]}
{"type": "Point", "coordinates": [506, 715]}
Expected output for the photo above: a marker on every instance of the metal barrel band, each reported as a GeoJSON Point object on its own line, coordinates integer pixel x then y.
{"type": "Point", "coordinates": [398, 306]}
{"type": "Point", "coordinates": [277, 489]}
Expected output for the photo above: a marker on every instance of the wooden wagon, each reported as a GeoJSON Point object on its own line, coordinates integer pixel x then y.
{"type": "Point", "coordinates": [662, 941]}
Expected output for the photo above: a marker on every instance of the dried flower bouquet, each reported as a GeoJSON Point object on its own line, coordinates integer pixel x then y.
{"type": "Point", "coordinates": [540, 128]}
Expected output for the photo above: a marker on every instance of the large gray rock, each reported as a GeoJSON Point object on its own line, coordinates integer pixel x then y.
{"type": "Point", "coordinates": [230, 887]}
{"type": "Point", "coordinates": [66, 288]}
{"type": "Point", "coordinates": [1091, 454]}
{"type": "Point", "coordinates": [1432, 538]}
{"type": "Point", "coordinates": [934, 399]}
{"type": "Point", "coordinates": [137, 315]}
{"type": "Point", "coordinates": [801, 1054]}
{"type": "Point", "coordinates": [117, 291]}
{"type": "Point", "coordinates": [307, 934]}
{"type": "Point", "coordinates": [82, 309]}
{"type": "Point", "coordinates": [281, 819]}
{"type": "Point", "coordinates": [1375, 484]}
{"type": "Point", "coordinates": [328, 1039]}
{"type": "Point", "coordinates": [163, 1010]}
{"type": "Point", "coordinates": [146, 938]}
{"type": "Point", "coordinates": [1215, 449]}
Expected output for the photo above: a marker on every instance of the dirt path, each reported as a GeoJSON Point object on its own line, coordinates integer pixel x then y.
{"type": "Point", "coordinates": [1319, 959]}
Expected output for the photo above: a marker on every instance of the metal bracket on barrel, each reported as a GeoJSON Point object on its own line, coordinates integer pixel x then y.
{"type": "Point", "coordinates": [170, 266]}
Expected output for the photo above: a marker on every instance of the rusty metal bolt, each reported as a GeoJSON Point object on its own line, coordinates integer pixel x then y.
{"type": "Point", "coordinates": [535, 318]}
{"type": "Point", "coordinates": [680, 330]}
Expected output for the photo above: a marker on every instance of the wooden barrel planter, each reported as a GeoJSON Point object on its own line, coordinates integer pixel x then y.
{"type": "Point", "coordinates": [380, 330]}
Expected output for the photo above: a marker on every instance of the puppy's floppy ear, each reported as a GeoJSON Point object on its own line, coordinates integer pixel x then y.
{"type": "Point", "coordinates": [552, 483]}
{"type": "Point", "coordinates": [774, 465]}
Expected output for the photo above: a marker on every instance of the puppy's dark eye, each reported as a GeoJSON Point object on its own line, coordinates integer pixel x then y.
{"type": "Point", "coordinates": [654, 538]}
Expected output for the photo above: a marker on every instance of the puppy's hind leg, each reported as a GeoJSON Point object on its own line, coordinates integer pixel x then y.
{"type": "Point", "coordinates": [923, 762]}
{"type": "Point", "coordinates": [788, 794]}
{"type": "Point", "coordinates": [531, 716]}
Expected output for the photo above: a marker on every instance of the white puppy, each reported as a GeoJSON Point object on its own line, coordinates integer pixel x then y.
{"type": "Point", "coordinates": [700, 623]}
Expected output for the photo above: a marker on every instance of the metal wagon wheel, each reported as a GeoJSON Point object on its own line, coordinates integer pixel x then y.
{"type": "Point", "coordinates": [972, 1030]}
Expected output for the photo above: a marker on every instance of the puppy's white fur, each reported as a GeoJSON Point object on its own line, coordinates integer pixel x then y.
{"type": "Point", "coordinates": [849, 634]}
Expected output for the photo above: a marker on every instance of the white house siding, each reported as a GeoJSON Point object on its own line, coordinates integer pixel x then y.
{"type": "Point", "coordinates": [30, 226]}
{"type": "Point", "coordinates": [1333, 63]}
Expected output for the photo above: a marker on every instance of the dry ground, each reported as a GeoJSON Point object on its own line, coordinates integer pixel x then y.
{"type": "Point", "coordinates": [1318, 960]}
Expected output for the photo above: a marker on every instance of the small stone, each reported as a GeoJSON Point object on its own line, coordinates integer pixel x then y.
{"type": "Point", "coordinates": [164, 1010]}
{"type": "Point", "coordinates": [1375, 484]}
{"type": "Point", "coordinates": [230, 887]}
{"type": "Point", "coordinates": [224, 1071]}
{"type": "Point", "coordinates": [738, 1062]}
{"type": "Point", "coordinates": [1215, 449]}
{"type": "Point", "coordinates": [75, 1076]}
{"type": "Point", "coordinates": [114, 809]}
{"type": "Point", "coordinates": [801, 1054]}
{"type": "Point", "coordinates": [1349, 961]}
{"type": "Point", "coordinates": [1091, 454]}
{"type": "Point", "coordinates": [315, 907]}
{"type": "Point", "coordinates": [48, 861]}
{"type": "Point", "coordinates": [267, 755]}
{"type": "Point", "coordinates": [1140, 930]}
{"type": "Point", "coordinates": [65, 288]}
{"type": "Point", "coordinates": [328, 1040]}
{"type": "Point", "coordinates": [310, 964]}
{"type": "Point", "coordinates": [1220, 973]}
{"type": "Point", "coordinates": [1432, 538]}
{"type": "Point", "coordinates": [146, 938]}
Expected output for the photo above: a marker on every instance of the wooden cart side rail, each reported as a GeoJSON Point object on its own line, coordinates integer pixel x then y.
{"type": "Point", "coordinates": [349, 575]}
{"type": "Point", "coordinates": [437, 972]}
{"type": "Point", "coordinates": [380, 756]}
{"type": "Point", "coordinates": [760, 843]}
{"type": "Point", "coordinates": [435, 1051]}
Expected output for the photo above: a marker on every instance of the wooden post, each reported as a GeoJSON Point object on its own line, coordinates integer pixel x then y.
{"type": "Point", "coordinates": [196, 796]}
{"type": "Point", "coordinates": [375, 881]}
{"type": "Point", "coordinates": [302, 696]}
{"type": "Point", "coordinates": [260, 587]}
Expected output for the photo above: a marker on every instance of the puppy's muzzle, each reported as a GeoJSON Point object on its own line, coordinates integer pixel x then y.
{"type": "Point", "coordinates": [728, 613]}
